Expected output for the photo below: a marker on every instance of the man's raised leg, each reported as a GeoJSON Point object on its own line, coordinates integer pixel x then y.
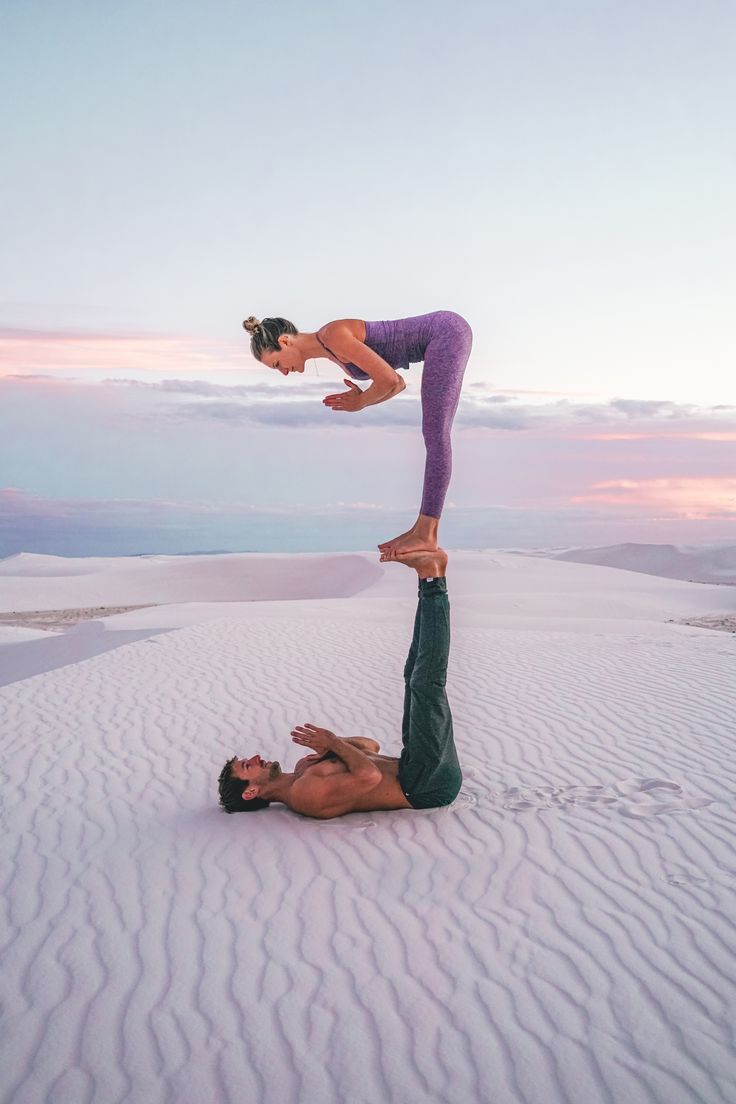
{"type": "Point", "coordinates": [429, 771]}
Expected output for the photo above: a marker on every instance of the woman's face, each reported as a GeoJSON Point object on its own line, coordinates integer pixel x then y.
{"type": "Point", "coordinates": [287, 359]}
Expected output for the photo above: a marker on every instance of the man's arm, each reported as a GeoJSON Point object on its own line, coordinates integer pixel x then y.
{"type": "Point", "coordinates": [322, 740]}
{"type": "Point", "coordinates": [363, 743]}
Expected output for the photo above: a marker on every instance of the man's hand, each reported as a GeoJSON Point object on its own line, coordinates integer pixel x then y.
{"type": "Point", "coordinates": [319, 739]}
{"type": "Point", "coordinates": [351, 400]}
{"type": "Point", "coordinates": [305, 763]}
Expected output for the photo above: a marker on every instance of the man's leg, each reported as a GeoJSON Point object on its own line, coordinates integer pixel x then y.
{"type": "Point", "coordinates": [408, 669]}
{"type": "Point", "coordinates": [429, 772]}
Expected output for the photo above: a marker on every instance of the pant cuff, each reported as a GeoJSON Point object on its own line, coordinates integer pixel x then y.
{"type": "Point", "coordinates": [433, 586]}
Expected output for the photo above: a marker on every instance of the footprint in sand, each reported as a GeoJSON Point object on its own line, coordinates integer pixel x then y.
{"type": "Point", "coordinates": [519, 798]}
{"type": "Point", "coordinates": [633, 786]}
{"type": "Point", "coordinates": [682, 881]}
{"type": "Point", "coordinates": [632, 797]}
{"type": "Point", "coordinates": [645, 797]}
{"type": "Point", "coordinates": [464, 800]}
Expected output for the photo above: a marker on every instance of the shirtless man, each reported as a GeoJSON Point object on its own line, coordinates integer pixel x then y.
{"type": "Point", "coordinates": [349, 775]}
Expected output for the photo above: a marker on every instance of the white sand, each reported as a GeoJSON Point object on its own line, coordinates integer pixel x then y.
{"type": "Point", "coordinates": [564, 933]}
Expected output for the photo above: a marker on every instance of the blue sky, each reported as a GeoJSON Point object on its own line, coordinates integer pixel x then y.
{"type": "Point", "coordinates": [561, 174]}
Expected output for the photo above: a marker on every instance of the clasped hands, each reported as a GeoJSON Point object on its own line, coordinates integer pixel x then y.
{"type": "Point", "coordinates": [318, 739]}
{"type": "Point", "coordinates": [350, 400]}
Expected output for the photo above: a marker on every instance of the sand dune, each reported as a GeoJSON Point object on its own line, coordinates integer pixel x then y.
{"type": "Point", "coordinates": [34, 582]}
{"type": "Point", "coordinates": [705, 563]}
{"type": "Point", "coordinates": [563, 933]}
{"type": "Point", "coordinates": [176, 591]}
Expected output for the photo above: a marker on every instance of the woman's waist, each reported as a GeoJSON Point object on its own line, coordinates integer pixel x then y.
{"type": "Point", "coordinates": [404, 341]}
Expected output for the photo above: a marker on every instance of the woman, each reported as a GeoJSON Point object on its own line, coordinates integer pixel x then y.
{"type": "Point", "coordinates": [375, 351]}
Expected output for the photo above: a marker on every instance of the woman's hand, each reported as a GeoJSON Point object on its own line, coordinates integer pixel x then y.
{"type": "Point", "coordinates": [319, 739]}
{"type": "Point", "coordinates": [351, 400]}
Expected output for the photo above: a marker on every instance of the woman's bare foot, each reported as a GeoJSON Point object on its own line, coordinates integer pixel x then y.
{"type": "Point", "coordinates": [426, 564]}
{"type": "Point", "coordinates": [405, 546]}
{"type": "Point", "coordinates": [395, 540]}
{"type": "Point", "coordinates": [421, 537]}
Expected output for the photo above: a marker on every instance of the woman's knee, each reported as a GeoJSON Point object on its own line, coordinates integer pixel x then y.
{"type": "Point", "coordinates": [437, 438]}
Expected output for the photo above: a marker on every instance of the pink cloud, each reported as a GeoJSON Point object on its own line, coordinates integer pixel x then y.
{"type": "Point", "coordinates": [684, 497]}
{"type": "Point", "coordinates": [658, 435]}
{"type": "Point", "coordinates": [29, 351]}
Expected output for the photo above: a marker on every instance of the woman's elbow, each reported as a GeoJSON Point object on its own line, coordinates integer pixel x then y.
{"type": "Point", "coordinates": [393, 387]}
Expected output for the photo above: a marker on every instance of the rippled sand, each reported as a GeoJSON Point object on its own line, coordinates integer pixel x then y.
{"type": "Point", "coordinates": [563, 933]}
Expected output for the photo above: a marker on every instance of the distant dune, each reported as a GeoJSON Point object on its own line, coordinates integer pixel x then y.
{"type": "Point", "coordinates": [713, 563]}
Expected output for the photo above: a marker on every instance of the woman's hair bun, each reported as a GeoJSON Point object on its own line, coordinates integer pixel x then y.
{"type": "Point", "coordinates": [265, 336]}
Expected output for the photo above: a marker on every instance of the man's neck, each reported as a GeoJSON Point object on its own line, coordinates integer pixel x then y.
{"type": "Point", "coordinates": [279, 789]}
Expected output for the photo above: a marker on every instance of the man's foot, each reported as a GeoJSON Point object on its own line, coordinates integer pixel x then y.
{"type": "Point", "coordinates": [427, 564]}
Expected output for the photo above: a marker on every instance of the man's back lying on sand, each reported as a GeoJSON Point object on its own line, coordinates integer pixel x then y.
{"type": "Point", "coordinates": [349, 775]}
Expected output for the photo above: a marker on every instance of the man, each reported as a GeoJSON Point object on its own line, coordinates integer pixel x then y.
{"type": "Point", "coordinates": [348, 775]}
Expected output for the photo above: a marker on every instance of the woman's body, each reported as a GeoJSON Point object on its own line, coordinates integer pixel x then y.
{"type": "Point", "coordinates": [376, 351]}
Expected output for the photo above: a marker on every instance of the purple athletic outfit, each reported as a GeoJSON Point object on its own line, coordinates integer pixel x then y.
{"type": "Point", "coordinates": [443, 341]}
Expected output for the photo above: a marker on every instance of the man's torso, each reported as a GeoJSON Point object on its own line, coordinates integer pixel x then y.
{"type": "Point", "coordinates": [386, 794]}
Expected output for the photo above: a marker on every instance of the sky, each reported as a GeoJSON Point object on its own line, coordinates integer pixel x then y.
{"type": "Point", "coordinates": [560, 174]}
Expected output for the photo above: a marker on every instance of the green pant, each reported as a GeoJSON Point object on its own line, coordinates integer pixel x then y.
{"type": "Point", "coordinates": [429, 772]}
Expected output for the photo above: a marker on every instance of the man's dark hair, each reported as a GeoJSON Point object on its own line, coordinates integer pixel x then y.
{"type": "Point", "coordinates": [231, 792]}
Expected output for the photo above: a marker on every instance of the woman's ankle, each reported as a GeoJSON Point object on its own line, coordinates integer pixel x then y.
{"type": "Point", "coordinates": [426, 527]}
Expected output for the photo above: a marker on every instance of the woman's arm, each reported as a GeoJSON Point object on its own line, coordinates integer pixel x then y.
{"type": "Point", "coordinates": [355, 399]}
{"type": "Point", "coordinates": [385, 380]}
{"type": "Point", "coordinates": [372, 395]}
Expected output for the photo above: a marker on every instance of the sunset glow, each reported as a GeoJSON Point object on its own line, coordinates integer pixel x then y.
{"type": "Point", "coordinates": [660, 435]}
{"type": "Point", "coordinates": [28, 352]}
{"type": "Point", "coordinates": [688, 498]}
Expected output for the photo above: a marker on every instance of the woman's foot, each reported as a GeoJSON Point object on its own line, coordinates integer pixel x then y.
{"type": "Point", "coordinates": [422, 536]}
{"type": "Point", "coordinates": [408, 544]}
{"type": "Point", "coordinates": [427, 564]}
{"type": "Point", "coordinates": [395, 540]}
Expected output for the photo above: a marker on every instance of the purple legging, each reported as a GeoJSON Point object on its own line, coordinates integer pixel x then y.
{"type": "Point", "coordinates": [445, 359]}
{"type": "Point", "coordinates": [443, 340]}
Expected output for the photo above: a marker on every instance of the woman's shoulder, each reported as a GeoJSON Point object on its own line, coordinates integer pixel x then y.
{"type": "Point", "coordinates": [340, 327]}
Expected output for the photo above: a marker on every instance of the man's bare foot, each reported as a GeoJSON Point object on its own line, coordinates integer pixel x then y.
{"type": "Point", "coordinates": [432, 564]}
